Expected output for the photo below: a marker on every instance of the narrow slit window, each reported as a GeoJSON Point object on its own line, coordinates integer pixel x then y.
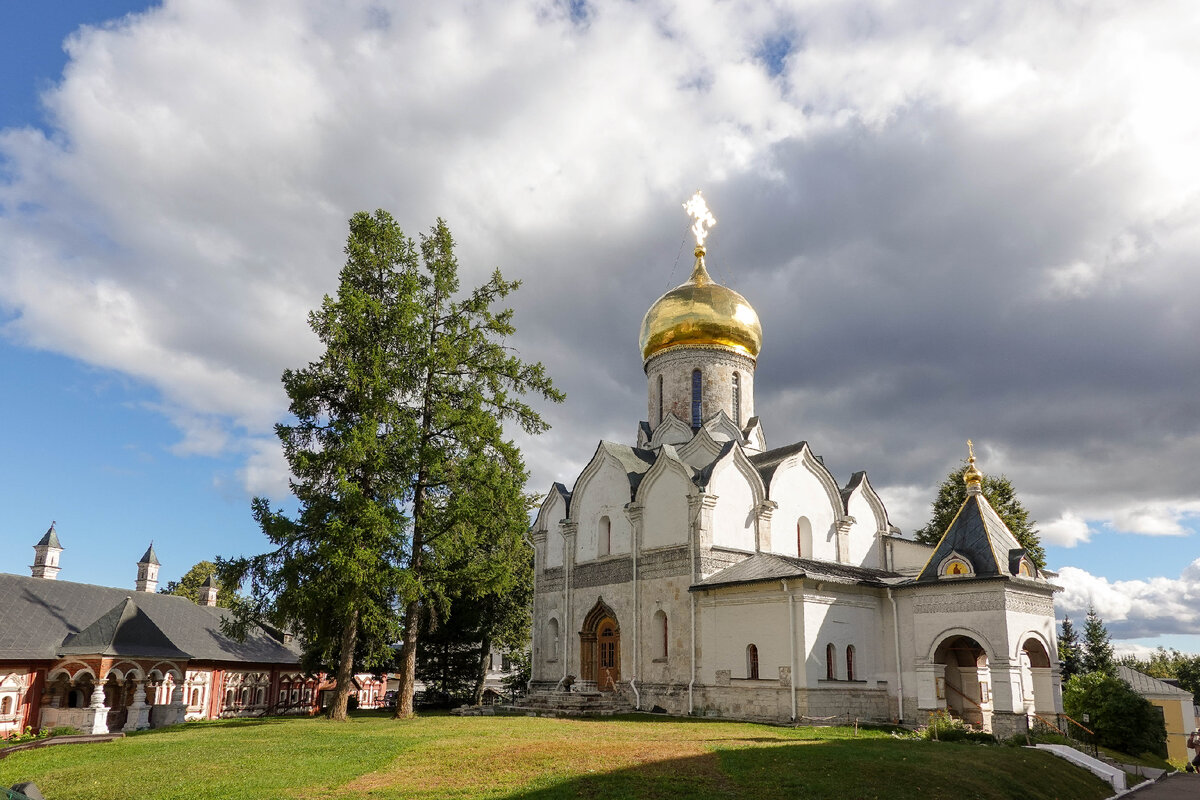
{"type": "Point", "coordinates": [849, 662]}
{"type": "Point", "coordinates": [660, 399]}
{"type": "Point", "coordinates": [752, 662]}
{"type": "Point", "coordinates": [737, 399]}
{"type": "Point", "coordinates": [697, 400]}
{"type": "Point", "coordinates": [830, 662]}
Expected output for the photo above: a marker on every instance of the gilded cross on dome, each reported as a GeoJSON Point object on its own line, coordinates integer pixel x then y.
{"type": "Point", "coordinates": [697, 209]}
{"type": "Point", "coordinates": [971, 449]}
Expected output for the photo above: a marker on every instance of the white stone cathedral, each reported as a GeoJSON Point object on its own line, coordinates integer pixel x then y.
{"type": "Point", "coordinates": [701, 572]}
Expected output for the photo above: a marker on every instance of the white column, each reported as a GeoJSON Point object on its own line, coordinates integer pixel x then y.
{"type": "Point", "coordinates": [97, 718]}
{"type": "Point", "coordinates": [178, 707]}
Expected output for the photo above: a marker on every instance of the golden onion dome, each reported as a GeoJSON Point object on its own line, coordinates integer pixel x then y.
{"type": "Point", "coordinates": [701, 313]}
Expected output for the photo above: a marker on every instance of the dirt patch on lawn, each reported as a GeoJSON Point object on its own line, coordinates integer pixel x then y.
{"type": "Point", "coordinates": [450, 767]}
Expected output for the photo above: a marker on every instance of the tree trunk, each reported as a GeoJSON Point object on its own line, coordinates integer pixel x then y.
{"type": "Point", "coordinates": [408, 662]}
{"type": "Point", "coordinates": [485, 650]}
{"type": "Point", "coordinates": [345, 669]}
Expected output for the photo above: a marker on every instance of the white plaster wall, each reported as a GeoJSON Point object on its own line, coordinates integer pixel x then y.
{"type": "Point", "coordinates": [546, 606]}
{"type": "Point", "coordinates": [908, 557]}
{"type": "Point", "coordinates": [605, 494]}
{"type": "Point", "coordinates": [799, 493]}
{"type": "Point", "coordinates": [555, 547]}
{"type": "Point", "coordinates": [551, 513]}
{"type": "Point", "coordinates": [733, 516]}
{"type": "Point", "coordinates": [864, 547]}
{"type": "Point", "coordinates": [665, 510]}
{"type": "Point", "coordinates": [844, 619]}
{"type": "Point", "coordinates": [733, 621]}
{"type": "Point", "coordinates": [672, 597]}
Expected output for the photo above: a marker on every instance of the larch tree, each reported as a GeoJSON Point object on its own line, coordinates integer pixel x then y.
{"type": "Point", "coordinates": [999, 491]}
{"type": "Point", "coordinates": [468, 384]}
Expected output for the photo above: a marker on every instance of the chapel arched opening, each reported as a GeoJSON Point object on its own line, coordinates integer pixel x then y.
{"type": "Point", "coordinates": [964, 687]}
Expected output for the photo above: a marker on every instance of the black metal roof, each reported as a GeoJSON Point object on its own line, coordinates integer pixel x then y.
{"type": "Point", "coordinates": [762, 567]}
{"type": "Point", "coordinates": [979, 535]}
{"type": "Point", "coordinates": [38, 616]}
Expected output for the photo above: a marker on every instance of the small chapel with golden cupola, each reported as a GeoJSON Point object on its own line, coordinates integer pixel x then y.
{"type": "Point", "coordinates": [700, 572]}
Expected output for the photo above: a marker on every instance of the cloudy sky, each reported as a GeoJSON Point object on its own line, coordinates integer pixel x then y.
{"type": "Point", "coordinates": [981, 222]}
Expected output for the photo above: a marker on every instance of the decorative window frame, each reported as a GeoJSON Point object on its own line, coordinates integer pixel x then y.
{"type": "Point", "coordinates": [952, 560]}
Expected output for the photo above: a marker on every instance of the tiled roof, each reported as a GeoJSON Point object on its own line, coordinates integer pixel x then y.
{"type": "Point", "coordinates": [1144, 685]}
{"type": "Point", "coordinates": [771, 567]}
{"type": "Point", "coordinates": [37, 615]}
{"type": "Point", "coordinates": [768, 461]}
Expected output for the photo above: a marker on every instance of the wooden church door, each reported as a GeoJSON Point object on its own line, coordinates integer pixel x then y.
{"type": "Point", "coordinates": [608, 641]}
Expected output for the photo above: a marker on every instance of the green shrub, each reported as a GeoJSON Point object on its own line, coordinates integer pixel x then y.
{"type": "Point", "coordinates": [1121, 718]}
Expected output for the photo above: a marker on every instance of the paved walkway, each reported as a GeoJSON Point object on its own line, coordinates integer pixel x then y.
{"type": "Point", "coordinates": [1173, 787]}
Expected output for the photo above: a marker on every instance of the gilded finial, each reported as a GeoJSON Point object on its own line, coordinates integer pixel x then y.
{"type": "Point", "coordinates": [697, 209]}
{"type": "Point", "coordinates": [972, 477]}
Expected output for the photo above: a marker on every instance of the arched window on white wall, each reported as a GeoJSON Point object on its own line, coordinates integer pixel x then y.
{"type": "Point", "coordinates": [804, 542]}
{"type": "Point", "coordinates": [6, 705]}
{"type": "Point", "coordinates": [552, 635]}
{"type": "Point", "coordinates": [830, 662]}
{"type": "Point", "coordinates": [604, 537]}
{"type": "Point", "coordinates": [850, 662]}
{"type": "Point", "coordinates": [752, 662]}
{"type": "Point", "coordinates": [660, 634]}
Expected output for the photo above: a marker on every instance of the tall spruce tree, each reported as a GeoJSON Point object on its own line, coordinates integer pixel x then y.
{"type": "Point", "coordinates": [1097, 646]}
{"type": "Point", "coordinates": [336, 573]}
{"type": "Point", "coordinates": [1068, 650]}
{"type": "Point", "coordinates": [401, 416]}
{"type": "Point", "coordinates": [999, 491]}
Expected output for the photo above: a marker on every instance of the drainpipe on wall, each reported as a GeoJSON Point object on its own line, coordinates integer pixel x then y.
{"type": "Point", "coordinates": [791, 601]}
{"type": "Point", "coordinates": [692, 682]}
{"type": "Point", "coordinates": [899, 669]}
{"type": "Point", "coordinates": [635, 544]}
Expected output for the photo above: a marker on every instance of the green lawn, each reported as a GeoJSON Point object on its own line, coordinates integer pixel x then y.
{"type": "Point", "coordinates": [521, 757]}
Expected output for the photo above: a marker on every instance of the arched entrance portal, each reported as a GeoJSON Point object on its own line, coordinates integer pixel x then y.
{"type": "Point", "coordinates": [966, 680]}
{"type": "Point", "coordinates": [600, 648]}
{"type": "Point", "coordinates": [1037, 679]}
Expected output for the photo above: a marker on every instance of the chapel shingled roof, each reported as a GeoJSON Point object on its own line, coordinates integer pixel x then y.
{"type": "Point", "coordinates": [37, 616]}
{"type": "Point", "coordinates": [979, 535]}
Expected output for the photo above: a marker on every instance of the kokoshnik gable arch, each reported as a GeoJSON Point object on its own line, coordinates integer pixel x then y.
{"type": "Point", "coordinates": [701, 571]}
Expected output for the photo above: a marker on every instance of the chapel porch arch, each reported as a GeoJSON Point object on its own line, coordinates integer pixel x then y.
{"type": "Point", "coordinates": [963, 679]}
{"type": "Point", "coordinates": [600, 648]}
{"type": "Point", "coordinates": [1038, 678]}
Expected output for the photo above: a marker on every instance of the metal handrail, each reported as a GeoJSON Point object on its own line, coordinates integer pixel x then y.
{"type": "Point", "coordinates": [958, 692]}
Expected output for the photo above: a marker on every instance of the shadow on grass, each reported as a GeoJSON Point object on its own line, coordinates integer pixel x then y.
{"type": "Point", "coordinates": [842, 769]}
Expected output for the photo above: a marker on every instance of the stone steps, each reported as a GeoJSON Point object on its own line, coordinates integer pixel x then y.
{"type": "Point", "coordinates": [569, 704]}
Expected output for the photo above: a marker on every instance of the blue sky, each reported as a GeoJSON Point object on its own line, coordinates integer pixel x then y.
{"type": "Point", "coordinates": [976, 226]}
